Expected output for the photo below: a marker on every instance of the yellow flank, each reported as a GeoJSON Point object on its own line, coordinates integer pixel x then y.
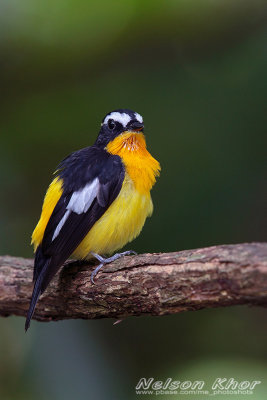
{"type": "Point", "coordinates": [120, 224]}
{"type": "Point", "coordinates": [140, 165]}
{"type": "Point", "coordinates": [51, 198]}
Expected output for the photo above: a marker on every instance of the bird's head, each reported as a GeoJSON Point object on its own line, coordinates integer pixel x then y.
{"type": "Point", "coordinates": [123, 122]}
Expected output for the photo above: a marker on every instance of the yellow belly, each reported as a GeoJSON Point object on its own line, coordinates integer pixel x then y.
{"type": "Point", "coordinates": [120, 224]}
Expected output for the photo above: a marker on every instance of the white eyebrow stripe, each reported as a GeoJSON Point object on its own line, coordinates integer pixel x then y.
{"type": "Point", "coordinates": [79, 203]}
{"type": "Point", "coordinates": [138, 117]}
{"type": "Point", "coordinates": [123, 118]}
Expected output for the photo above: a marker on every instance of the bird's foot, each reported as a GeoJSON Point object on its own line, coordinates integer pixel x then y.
{"type": "Point", "coordinates": [108, 260]}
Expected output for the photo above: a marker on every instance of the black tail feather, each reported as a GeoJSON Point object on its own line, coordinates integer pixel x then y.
{"type": "Point", "coordinates": [37, 291]}
{"type": "Point", "coordinates": [39, 262]}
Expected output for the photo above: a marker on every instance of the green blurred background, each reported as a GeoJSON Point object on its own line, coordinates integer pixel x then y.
{"type": "Point", "coordinates": [196, 71]}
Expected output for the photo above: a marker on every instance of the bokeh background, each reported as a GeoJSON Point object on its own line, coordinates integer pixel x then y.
{"type": "Point", "coordinates": [196, 71]}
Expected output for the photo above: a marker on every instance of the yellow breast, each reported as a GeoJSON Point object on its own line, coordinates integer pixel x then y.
{"type": "Point", "coordinates": [140, 165]}
{"type": "Point", "coordinates": [120, 224]}
{"type": "Point", "coordinates": [125, 218]}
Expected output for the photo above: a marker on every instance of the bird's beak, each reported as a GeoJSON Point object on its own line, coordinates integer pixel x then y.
{"type": "Point", "coordinates": [135, 126]}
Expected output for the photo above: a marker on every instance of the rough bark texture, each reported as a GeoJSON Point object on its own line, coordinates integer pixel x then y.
{"type": "Point", "coordinates": [147, 284]}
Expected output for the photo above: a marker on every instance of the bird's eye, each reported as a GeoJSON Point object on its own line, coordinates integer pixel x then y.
{"type": "Point", "coordinates": [111, 124]}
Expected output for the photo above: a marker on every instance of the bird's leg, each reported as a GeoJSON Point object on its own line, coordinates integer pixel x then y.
{"type": "Point", "coordinates": [104, 261]}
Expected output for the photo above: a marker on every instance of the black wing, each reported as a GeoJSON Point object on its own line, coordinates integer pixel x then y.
{"type": "Point", "coordinates": [109, 171]}
{"type": "Point", "coordinates": [88, 172]}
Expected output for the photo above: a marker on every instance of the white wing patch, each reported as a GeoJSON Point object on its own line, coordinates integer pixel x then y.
{"type": "Point", "coordinates": [60, 224]}
{"type": "Point", "coordinates": [123, 118]}
{"type": "Point", "coordinates": [81, 200]}
{"type": "Point", "coordinates": [79, 203]}
{"type": "Point", "coordinates": [138, 117]}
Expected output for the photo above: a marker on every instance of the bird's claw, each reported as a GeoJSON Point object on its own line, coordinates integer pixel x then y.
{"type": "Point", "coordinates": [104, 261]}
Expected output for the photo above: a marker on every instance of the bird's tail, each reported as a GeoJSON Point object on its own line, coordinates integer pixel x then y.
{"type": "Point", "coordinates": [37, 291]}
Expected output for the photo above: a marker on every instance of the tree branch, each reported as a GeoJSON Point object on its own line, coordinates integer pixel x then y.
{"type": "Point", "coordinates": [147, 284]}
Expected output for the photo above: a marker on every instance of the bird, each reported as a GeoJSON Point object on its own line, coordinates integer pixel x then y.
{"type": "Point", "coordinates": [97, 202]}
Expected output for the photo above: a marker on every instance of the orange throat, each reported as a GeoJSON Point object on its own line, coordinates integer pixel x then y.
{"type": "Point", "coordinates": [140, 165]}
